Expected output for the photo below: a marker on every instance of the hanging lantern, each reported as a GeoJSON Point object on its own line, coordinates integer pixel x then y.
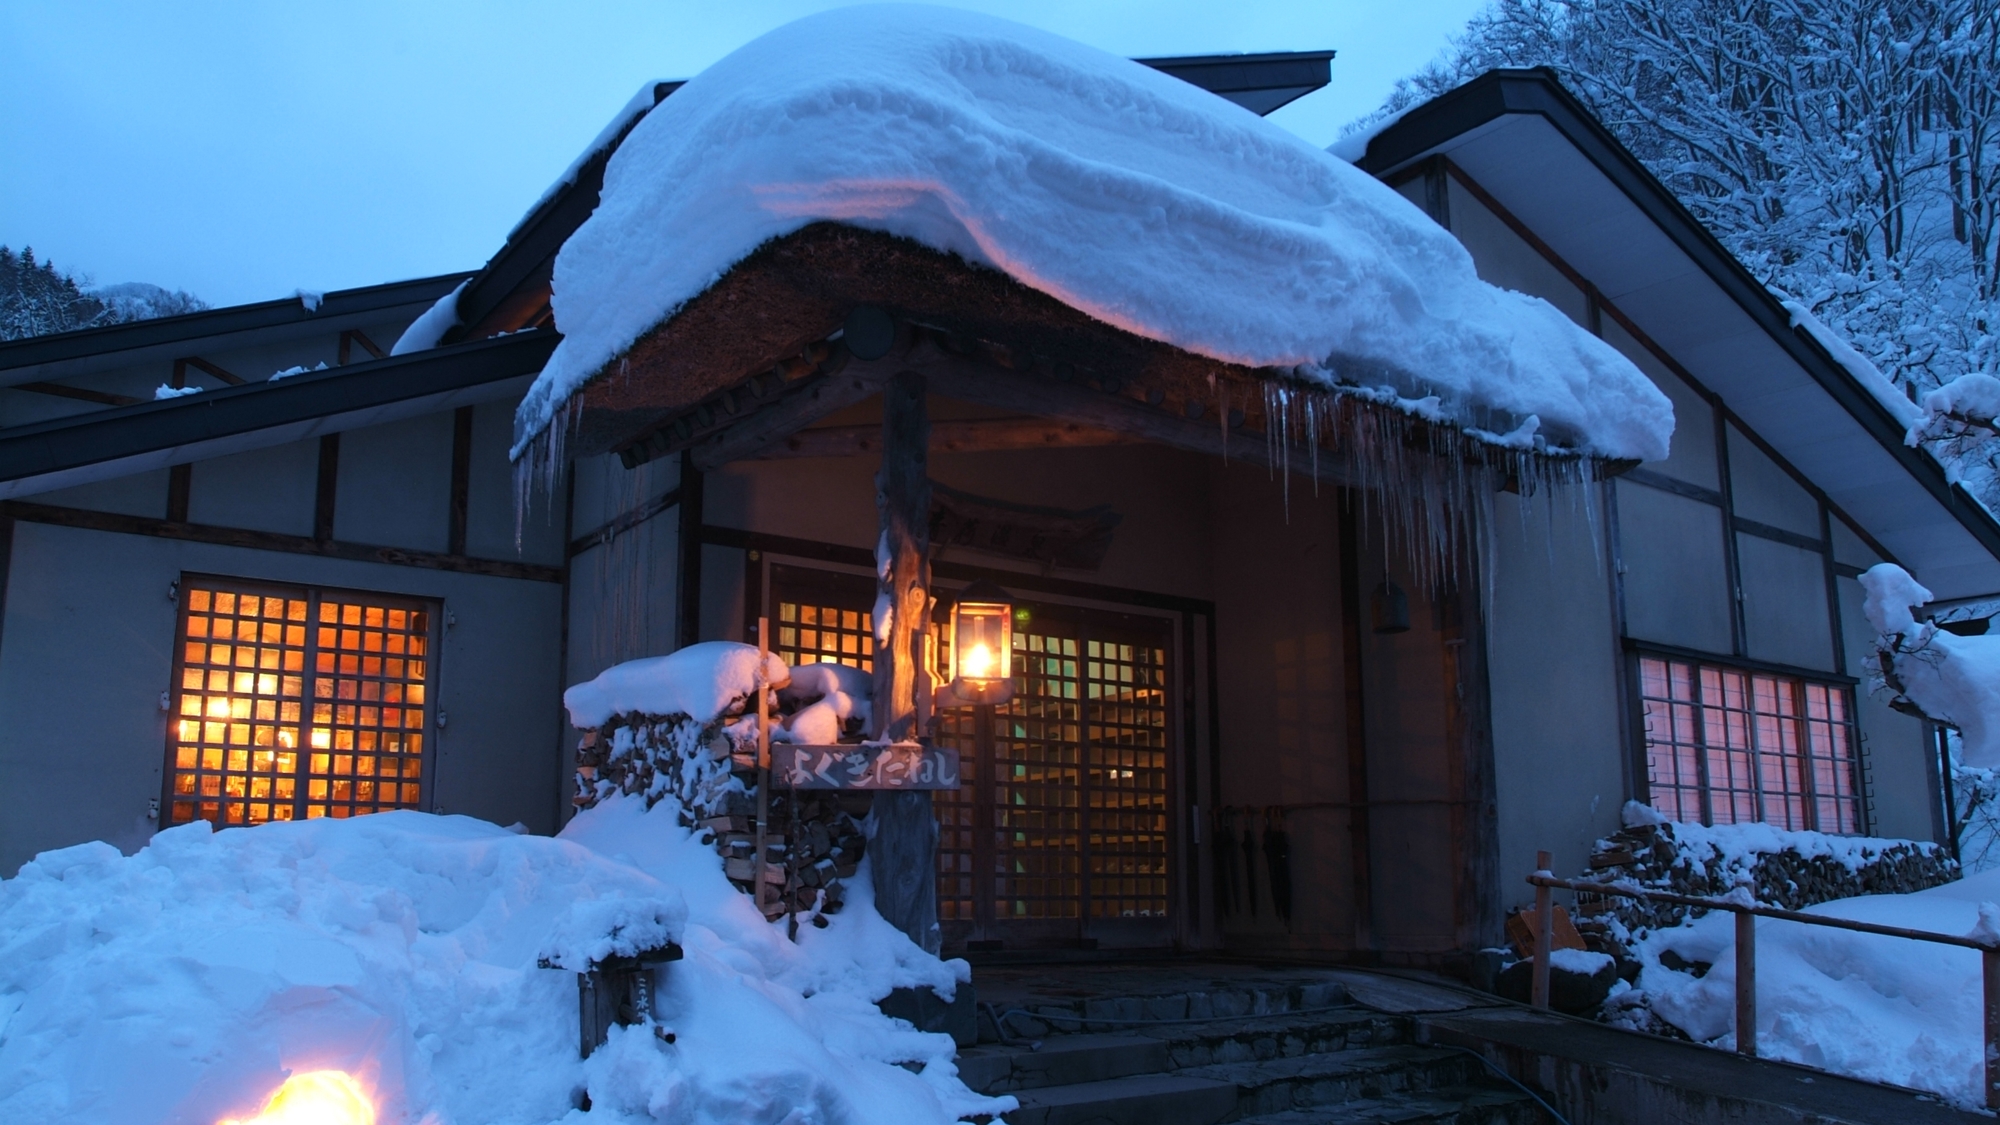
{"type": "Point", "coordinates": [982, 645]}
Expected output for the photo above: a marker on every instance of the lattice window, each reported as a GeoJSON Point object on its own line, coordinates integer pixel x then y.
{"type": "Point", "coordinates": [1128, 779]}
{"type": "Point", "coordinates": [1037, 782]}
{"type": "Point", "coordinates": [292, 704]}
{"type": "Point", "coordinates": [1727, 746]}
{"type": "Point", "coordinates": [811, 633]}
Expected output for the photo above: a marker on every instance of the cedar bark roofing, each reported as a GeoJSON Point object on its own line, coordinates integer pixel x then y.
{"type": "Point", "coordinates": [798, 289]}
{"type": "Point", "coordinates": [719, 366]}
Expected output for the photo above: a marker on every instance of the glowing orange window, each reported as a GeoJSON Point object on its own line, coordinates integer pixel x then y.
{"type": "Point", "coordinates": [293, 703]}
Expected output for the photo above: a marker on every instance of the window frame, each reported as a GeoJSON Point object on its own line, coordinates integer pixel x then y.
{"type": "Point", "coordinates": [313, 595]}
{"type": "Point", "coordinates": [1800, 758]}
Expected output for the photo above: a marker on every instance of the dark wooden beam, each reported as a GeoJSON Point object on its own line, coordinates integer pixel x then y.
{"type": "Point", "coordinates": [199, 364]}
{"type": "Point", "coordinates": [976, 436]}
{"type": "Point", "coordinates": [687, 574]}
{"type": "Point", "coordinates": [84, 394]}
{"type": "Point", "coordinates": [349, 338]}
{"type": "Point", "coordinates": [903, 850]}
{"type": "Point", "coordinates": [815, 400]}
{"type": "Point", "coordinates": [624, 522]}
{"type": "Point", "coordinates": [461, 477]}
{"type": "Point", "coordinates": [326, 494]}
{"type": "Point", "coordinates": [272, 541]}
{"type": "Point", "coordinates": [1163, 411]}
{"type": "Point", "coordinates": [1358, 828]}
{"type": "Point", "coordinates": [180, 487]}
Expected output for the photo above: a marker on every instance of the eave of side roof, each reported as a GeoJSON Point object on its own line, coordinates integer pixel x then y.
{"type": "Point", "coordinates": [112, 442]}
{"type": "Point", "coordinates": [1500, 93]}
{"type": "Point", "coordinates": [36, 351]}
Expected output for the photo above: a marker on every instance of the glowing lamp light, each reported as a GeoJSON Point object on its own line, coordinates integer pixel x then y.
{"type": "Point", "coordinates": [982, 645]}
{"type": "Point", "coordinates": [319, 1097]}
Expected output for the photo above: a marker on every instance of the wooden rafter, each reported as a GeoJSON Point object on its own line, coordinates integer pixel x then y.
{"type": "Point", "coordinates": [983, 435]}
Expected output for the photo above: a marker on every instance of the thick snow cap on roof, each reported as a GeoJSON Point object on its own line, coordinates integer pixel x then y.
{"type": "Point", "coordinates": [1130, 195]}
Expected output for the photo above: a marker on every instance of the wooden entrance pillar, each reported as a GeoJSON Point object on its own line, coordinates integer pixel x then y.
{"type": "Point", "coordinates": [904, 849]}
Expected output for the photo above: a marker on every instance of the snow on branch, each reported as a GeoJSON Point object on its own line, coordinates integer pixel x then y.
{"type": "Point", "coordinates": [1951, 679]}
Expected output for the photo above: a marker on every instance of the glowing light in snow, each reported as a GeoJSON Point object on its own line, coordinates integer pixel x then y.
{"type": "Point", "coordinates": [319, 1097]}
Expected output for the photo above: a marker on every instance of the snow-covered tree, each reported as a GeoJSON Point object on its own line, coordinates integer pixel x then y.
{"type": "Point", "coordinates": [1847, 151]}
{"type": "Point", "coordinates": [37, 299]}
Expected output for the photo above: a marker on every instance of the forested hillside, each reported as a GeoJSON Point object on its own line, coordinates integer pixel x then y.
{"type": "Point", "coordinates": [37, 299]}
{"type": "Point", "coordinates": [1848, 151]}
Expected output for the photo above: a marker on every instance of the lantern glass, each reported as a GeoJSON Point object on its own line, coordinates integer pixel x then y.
{"type": "Point", "coordinates": [982, 651]}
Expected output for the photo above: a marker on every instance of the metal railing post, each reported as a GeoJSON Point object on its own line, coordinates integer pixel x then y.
{"type": "Point", "coordinates": [1746, 984]}
{"type": "Point", "coordinates": [1989, 958]}
{"type": "Point", "coordinates": [1545, 928]}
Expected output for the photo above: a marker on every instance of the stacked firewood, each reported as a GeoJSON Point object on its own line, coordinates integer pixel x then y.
{"type": "Point", "coordinates": [811, 843]}
{"type": "Point", "coordinates": [812, 839]}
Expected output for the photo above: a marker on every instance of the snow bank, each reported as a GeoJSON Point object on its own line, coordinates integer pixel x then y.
{"type": "Point", "coordinates": [165, 391]}
{"type": "Point", "coordinates": [184, 983]}
{"type": "Point", "coordinates": [702, 681]}
{"type": "Point", "coordinates": [424, 332]}
{"type": "Point", "coordinates": [1953, 679]}
{"type": "Point", "coordinates": [1880, 1008]}
{"type": "Point", "coordinates": [1128, 194]}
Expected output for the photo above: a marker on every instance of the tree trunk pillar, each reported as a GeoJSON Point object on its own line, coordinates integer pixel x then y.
{"type": "Point", "coordinates": [903, 852]}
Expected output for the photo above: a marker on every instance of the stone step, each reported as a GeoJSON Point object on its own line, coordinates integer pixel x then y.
{"type": "Point", "coordinates": [1119, 1014]}
{"type": "Point", "coordinates": [1305, 1081]}
{"type": "Point", "coordinates": [1146, 1099]}
{"type": "Point", "coordinates": [1063, 1060]}
{"type": "Point", "coordinates": [1450, 1105]}
{"type": "Point", "coordinates": [1276, 1037]}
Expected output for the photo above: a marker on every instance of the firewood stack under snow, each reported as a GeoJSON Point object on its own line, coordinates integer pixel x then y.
{"type": "Point", "coordinates": [645, 736]}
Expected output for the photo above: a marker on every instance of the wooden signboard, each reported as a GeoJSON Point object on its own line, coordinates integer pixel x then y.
{"type": "Point", "coordinates": [901, 765]}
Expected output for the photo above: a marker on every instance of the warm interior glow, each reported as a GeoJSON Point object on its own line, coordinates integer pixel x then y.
{"type": "Point", "coordinates": [979, 662]}
{"type": "Point", "coordinates": [319, 1097]}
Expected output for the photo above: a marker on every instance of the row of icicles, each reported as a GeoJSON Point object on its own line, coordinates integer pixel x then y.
{"type": "Point", "coordinates": [1430, 484]}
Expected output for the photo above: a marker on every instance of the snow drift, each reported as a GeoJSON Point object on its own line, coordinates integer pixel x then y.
{"type": "Point", "coordinates": [182, 984]}
{"type": "Point", "coordinates": [1953, 679]}
{"type": "Point", "coordinates": [1143, 201]}
{"type": "Point", "coordinates": [1881, 1008]}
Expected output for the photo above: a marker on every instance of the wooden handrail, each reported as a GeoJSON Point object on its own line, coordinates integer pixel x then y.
{"type": "Point", "coordinates": [1544, 881]}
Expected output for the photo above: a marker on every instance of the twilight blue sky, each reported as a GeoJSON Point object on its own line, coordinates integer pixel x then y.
{"type": "Point", "coordinates": [242, 150]}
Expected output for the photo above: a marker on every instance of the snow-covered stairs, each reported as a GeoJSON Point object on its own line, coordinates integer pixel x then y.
{"type": "Point", "coordinates": [1333, 1063]}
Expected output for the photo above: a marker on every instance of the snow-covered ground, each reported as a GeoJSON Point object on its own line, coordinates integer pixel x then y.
{"type": "Point", "coordinates": [1137, 198]}
{"type": "Point", "coordinates": [184, 983]}
{"type": "Point", "coordinates": [1881, 1008]}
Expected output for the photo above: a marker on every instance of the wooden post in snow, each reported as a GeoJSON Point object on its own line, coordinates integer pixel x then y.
{"type": "Point", "coordinates": [1545, 933]}
{"type": "Point", "coordinates": [903, 852]}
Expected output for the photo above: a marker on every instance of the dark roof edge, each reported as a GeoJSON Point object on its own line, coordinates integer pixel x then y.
{"type": "Point", "coordinates": [61, 444]}
{"type": "Point", "coordinates": [1499, 93]}
{"type": "Point", "coordinates": [229, 319]}
{"type": "Point", "coordinates": [1230, 60]}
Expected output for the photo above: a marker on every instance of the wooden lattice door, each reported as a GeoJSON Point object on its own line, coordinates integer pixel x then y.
{"type": "Point", "coordinates": [1061, 833]}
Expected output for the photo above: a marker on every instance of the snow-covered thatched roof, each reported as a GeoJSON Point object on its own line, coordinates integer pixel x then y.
{"type": "Point", "coordinates": [1150, 206]}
